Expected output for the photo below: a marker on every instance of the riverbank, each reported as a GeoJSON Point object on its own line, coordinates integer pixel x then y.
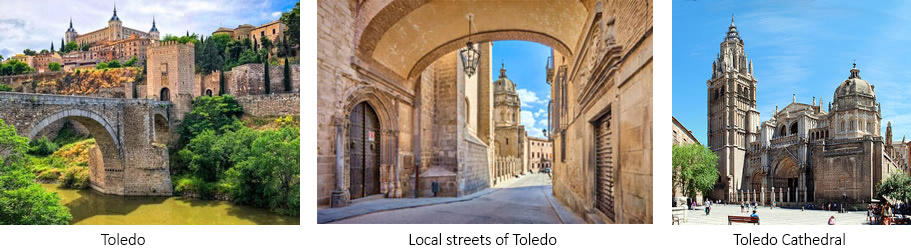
{"type": "Point", "coordinates": [89, 207]}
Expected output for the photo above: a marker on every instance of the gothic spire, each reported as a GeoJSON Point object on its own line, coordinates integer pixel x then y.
{"type": "Point", "coordinates": [732, 30]}
{"type": "Point", "coordinates": [71, 26]}
{"type": "Point", "coordinates": [115, 18]}
{"type": "Point", "coordinates": [154, 29]}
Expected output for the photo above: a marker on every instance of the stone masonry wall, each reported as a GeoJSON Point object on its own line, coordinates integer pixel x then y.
{"type": "Point", "coordinates": [271, 105]}
{"type": "Point", "coordinates": [248, 79]}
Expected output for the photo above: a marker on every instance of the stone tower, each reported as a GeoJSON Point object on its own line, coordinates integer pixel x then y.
{"type": "Point", "coordinates": [733, 121]}
{"type": "Point", "coordinates": [71, 33]}
{"type": "Point", "coordinates": [115, 27]}
{"type": "Point", "coordinates": [153, 33]}
{"type": "Point", "coordinates": [509, 133]}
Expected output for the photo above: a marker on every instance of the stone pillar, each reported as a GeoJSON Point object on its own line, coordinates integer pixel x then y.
{"type": "Point", "coordinates": [340, 196]}
{"type": "Point", "coordinates": [803, 186]}
{"type": "Point", "coordinates": [789, 194]}
{"type": "Point", "coordinates": [762, 196]}
{"type": "Point", "coordinates": [396, 166]}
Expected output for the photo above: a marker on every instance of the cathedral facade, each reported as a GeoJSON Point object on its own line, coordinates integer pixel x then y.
{"type": "Point", "coordinates": [509, 133]}
{"type": "Point", "coordinates": [805, 153]}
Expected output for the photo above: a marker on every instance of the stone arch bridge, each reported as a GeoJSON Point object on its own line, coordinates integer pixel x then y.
{"type": "Point", "coordinates": [131, 136]}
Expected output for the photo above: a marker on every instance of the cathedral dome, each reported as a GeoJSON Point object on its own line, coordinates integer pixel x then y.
{"type": "Point", "coordinates": [854, 85]}
{"type": "Point", "coordinates": [503, 83]}
{"type": "Point", "coordinates": [854, 93]}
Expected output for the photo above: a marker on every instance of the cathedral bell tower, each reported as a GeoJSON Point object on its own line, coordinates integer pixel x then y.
{"type": "Point", "coordinates": [71, 33]}
{"type": "Point", "coordinates": [733, 121]}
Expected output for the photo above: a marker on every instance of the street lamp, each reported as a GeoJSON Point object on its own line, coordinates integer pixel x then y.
{"type": "Point", "coordinates": [470, 56]}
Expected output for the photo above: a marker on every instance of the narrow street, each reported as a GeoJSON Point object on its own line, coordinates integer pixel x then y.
{"type": "Point", "coordinates": [525, 200]}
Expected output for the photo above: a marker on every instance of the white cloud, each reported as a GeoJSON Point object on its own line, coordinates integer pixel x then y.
{"type": "Point", "coordinates": [529, 98]}
{"type": "Point", "coordinates": [276, 14]}
{"type": "Point", "coordinates": [35, 24]}
{"type": "Point", "coordinates": [540, 113]}
{"type": "Point", "coordinates": [528, 120]}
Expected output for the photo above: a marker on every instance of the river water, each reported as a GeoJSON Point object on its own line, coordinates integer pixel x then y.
{"type": "Point", "coordinates": [93, 208]}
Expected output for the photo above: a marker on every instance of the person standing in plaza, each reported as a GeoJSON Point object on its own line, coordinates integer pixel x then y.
{"type": "Point", "coordinates": [887, 214]}
{"type": "Point", "coordinates": [832, 220]}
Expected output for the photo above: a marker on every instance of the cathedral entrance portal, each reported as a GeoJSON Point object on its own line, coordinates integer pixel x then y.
{"type": "Point", "coordinates": [786, 177]}
{"type": "Point", "coordinates": [364, 148]}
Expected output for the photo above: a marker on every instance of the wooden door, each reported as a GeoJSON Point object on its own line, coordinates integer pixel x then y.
{"type": "Point", "coordinates": [363, 141]}
{"type": "Point", "coordinates": [604, 167]}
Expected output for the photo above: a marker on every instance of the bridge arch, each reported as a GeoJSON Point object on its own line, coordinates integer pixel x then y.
{"type": "Point", "coordinates": [103, 170]}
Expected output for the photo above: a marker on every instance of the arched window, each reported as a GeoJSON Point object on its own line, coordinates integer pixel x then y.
{"type": "Point", "coordinates": [782, 131]}
{"type": "Point", "coordinates": [165, 94]}
{"type": "Point", "coordinates": [208, 92]}
{"type": "Point", "coordinates": [794, 128]}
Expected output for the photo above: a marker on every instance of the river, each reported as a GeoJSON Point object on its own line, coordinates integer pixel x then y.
{"type": "Point", "coordinates": [93, 208]}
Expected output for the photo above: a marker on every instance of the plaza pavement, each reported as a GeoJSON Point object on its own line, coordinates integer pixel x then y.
{"type": "Point", "coordinates": [527, 199]}
{"type": "Point", "coordinates": [775, 216]}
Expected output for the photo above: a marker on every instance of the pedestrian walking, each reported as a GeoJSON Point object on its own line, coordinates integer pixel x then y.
{"type": "Point", "coordinates": [832, 220]}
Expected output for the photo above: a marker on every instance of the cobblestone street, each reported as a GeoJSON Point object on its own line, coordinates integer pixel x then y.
{"type": "Point", "coordinates": [776, 216]}
{"type": "Point", "coordinates": [527, 199]}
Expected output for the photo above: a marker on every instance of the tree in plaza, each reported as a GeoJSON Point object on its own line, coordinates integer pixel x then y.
{"type": "Point", "coordinates": [896, 187]}
{"type": "Point", "coordinates": [693, 169]}
{"type": "Point", "coordinates": [22, 201]}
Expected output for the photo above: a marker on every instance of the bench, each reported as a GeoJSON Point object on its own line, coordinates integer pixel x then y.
{"type": "Point", "coordinates": [678, 214]}
{"type": "Point", "coordinates": [742, 219]}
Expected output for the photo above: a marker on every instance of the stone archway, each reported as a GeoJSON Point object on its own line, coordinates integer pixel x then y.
{"type": "Point", "coordinates": [787, 177]}
{"type": "Point", "coordinates": [389, 183]}
{"type": "Point", "coordinates": [106, 171]}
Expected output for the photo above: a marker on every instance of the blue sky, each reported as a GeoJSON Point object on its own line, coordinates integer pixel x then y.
{"type": "Point", "coordinates": [34, 24]}
{"type": "Point", "coordinates": [525, 66]}
{"type": "Point", "coordinates": [797, 47]}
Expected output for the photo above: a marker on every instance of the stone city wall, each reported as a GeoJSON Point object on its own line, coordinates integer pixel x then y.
{"type": "Point", "coordinates": [271, 105]}
{"type": "Point", "coordinates": [248, 79]}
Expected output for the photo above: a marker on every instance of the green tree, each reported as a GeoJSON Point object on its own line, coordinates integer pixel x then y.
{"type": "Point", "coordinates": [44, 51]}
{"type": "Point", "coordinates": [52, 47]}
{"type": "Point", "coordinates": [267, 81]}
{"type": "Point", "coordinates": [71, 46]}
{"type": "Point", "coordinates": [5, 88]}
{"type": "Point", "coordinates": [114, 64]}
{"type": "Point", "coordinates": [85, 47]}
{"type": "Point", "coordinates": [693, 169]}
{"type": "Point", "coordinates": [63, 46]}
{"type": "Point", "coordinates": [267, 170]}
{"type": "Point", "coordinates": [131, 62]}
{"type": "Point", "coordinates": [15, 67]}
{"type": "Point", "coordinates": [29, 52]}
{"type": "Point", "coordinates": [207, 155]}
{"type": "Point", "coordinates": [291, 19]}
{"type": "Point", "coordinates": [287, 80]}
{"type": "Point", "coordinates": [210, 113]}
{"type": "Point", "coordinates": [896, 187]}
{"type": "Point", "coordinates": [53, 66]}
{"type": "Point", "coordinates": [22, 201]}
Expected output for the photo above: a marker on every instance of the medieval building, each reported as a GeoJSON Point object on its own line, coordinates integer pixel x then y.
{"type": "Point", "coordinates": [805, 153]}
{"type": "Point", "coordinates": [509, 133]}
{"type": "Point", "coordinates": [733, 119]}
{"type": "Point", "coordinates": [397, 114]}
{"type": "Point", "coordinates": [114, 42]}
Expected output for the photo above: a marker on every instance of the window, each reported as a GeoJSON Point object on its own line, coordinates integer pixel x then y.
{"type": "Point", "coordinates": [273, 31]}
{"type": "Point", "coordinates": [262, 33]}
{"type": "Point", "coordinates": [563, 146]}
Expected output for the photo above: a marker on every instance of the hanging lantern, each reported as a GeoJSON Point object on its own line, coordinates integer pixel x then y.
{"type": "Point", "coordinates": [471, 57]}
